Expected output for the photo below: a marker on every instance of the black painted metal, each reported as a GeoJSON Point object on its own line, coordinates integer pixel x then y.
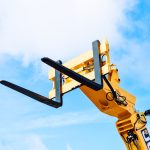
{"type": "Point", "coordinates": [110, 86]}
{"type": "Point", "coordinates": [81, 79]}
{"type": "Point", "coordinates": [31, 94]}
{"type": "Point", "coordinates": [147, 112]}
{"type": "Point", "coordinates": [97, 62]}
{"type": "Point", "coordinates": [59, 69]}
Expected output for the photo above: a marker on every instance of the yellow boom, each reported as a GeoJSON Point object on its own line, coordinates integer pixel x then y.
{"type": "Point", "coordinates": [131, 125]}
{"type": "Point", "coordinates": [98, 79]}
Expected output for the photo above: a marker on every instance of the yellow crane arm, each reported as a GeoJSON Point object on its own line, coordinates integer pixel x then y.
{"type": "Point", "coordinates": [98, 79]}
{"type": "Point", "coordinates": [131, 125]}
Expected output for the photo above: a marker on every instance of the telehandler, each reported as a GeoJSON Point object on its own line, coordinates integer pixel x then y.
{"type": "Point", "coordinates": [98, 79]}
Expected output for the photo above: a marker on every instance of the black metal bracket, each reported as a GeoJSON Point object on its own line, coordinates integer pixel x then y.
{"type": "Point", "coordinates": [59, 69]}
{"type": "Point", "coordinates": [147, 113]}
{"type": "Point", "coordinates": [50, 102]}
{"type": "Point", "coordinates": [31, 94]}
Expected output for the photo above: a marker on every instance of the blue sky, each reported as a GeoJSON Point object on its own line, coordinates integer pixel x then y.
{"type": "Point", "coordinates": [63, 29]}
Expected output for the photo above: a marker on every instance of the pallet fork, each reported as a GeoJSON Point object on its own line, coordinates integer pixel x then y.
{"type": "Point", "coordinates": [59, 70]}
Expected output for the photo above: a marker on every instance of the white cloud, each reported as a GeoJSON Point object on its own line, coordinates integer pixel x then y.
{"type": "Point", "coordinates": [35, 142]}
{"type": "Point", "coordinates": [4, 146]}
{"type": "Point", "coordinates": [24, 142]}
{"type": "Point", "coordinates": [69, 147]}
{"type": "Point", "coordinates": [23, 130]}
{"type": "Point", "coordinates": [66, 119]}
{"type": "Point", "coordinates": [59, 29]}
{"type": "Point", "coordinates": [133, 62]}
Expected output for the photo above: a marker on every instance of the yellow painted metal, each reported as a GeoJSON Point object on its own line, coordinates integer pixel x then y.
{"type": "Point", "coordinates": [126, 115]}
{"type": "Point", "coordinates": [129, 124]}
{"type": "Point", "coordinates": [79, 65]}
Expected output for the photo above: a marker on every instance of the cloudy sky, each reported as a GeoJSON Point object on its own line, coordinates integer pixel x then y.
{"type": "Point", "coordinates": [32, 29]}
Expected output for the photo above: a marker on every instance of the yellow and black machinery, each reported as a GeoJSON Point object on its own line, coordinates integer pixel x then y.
{"type": "Point", "coordinates": [98, 79]}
